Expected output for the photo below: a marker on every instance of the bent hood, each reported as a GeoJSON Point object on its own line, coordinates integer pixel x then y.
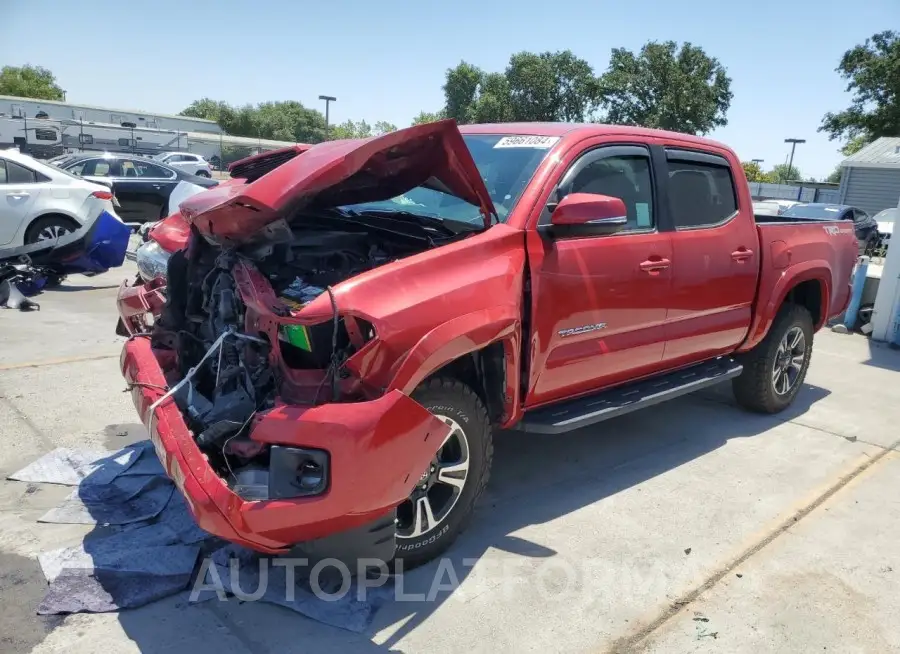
{"type": "Point", "coordinates": [337, 173]}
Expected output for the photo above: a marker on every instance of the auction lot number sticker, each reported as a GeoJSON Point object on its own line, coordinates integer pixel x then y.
{"type": "Point", "coordinates": [543, 142]}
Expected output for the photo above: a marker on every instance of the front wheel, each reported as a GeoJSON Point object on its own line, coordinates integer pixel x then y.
{"type": "Point", "coordinates": [441, 505]}
{"type": "Point", "coordinates": [775, 369]}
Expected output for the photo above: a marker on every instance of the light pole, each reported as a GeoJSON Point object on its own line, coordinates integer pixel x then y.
{"type": "Point", "coordinates": [793, 143]}
{"type": "Point", "coordinates": [328, 100]}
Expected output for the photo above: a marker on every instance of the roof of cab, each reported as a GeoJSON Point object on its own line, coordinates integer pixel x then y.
{"type": "Point", "coordinates": [583, 130]}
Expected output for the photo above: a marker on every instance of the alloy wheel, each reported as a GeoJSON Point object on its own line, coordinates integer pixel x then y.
{"type": "Point", "coordinates": [52, 232]}
{"type": "Point", "coordinates": [439, 488]}
{"type": "Point", "coordinates": [789, 359]}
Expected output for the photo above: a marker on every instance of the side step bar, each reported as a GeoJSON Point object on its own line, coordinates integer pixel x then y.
{"type": "Point", "coordinates": [591, 409]}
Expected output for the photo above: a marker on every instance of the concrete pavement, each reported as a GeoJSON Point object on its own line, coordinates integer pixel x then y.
{"type": "Point", "coordinates": [624, 537]}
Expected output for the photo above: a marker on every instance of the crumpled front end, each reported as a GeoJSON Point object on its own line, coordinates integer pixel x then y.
{"type": "Point", "coordinates": [371, 450]}
{"type": "Point", "coordinates": [272, 444]}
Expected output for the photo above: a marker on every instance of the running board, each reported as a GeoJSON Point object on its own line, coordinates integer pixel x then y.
{"type": "Point", "coordinates": [591, 409]}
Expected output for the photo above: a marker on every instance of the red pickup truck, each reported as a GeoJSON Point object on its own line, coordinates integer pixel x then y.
{"type": "Point", "coordinates": [324, 360]}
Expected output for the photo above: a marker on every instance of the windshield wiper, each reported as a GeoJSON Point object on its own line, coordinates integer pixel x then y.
{"type": "Point", "coordinates": [448, 227]}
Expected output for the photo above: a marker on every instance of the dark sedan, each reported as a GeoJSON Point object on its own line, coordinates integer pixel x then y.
{"type": "Point", "coordinates": [141, 186]}
{"type": "Point", "coordinates": [864, 225]}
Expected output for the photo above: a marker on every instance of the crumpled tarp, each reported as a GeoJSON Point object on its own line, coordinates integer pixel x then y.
{"type": "Point", "coordinates": [150, 545]}
{"type": "Point", "coordinates": [70, 467]}
{"type": "Point", "coordinates": [352, 610]}
{"type": "Point", "coordinates": [122, 501]}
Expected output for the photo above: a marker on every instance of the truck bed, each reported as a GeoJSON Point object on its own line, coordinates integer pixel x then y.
{"type": "Point", "coordinates": [794, 250]}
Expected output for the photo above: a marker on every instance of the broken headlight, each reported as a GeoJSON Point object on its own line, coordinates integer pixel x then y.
{"type": "Point", "coordinates": [152, 261]}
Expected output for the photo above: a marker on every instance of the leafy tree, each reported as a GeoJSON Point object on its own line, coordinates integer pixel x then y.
{"type": "Point", "coordinates": [551, 86]}
{"type": "Point", "coordinates": [835, 176]}
{"type": "Point", "coordinates": [664, 86]}
{"type": "Point", "coordinates": [428, 117]}
{"type": "Point", "coordinates": [872, 71]}
{"type": "Point", "coordinates": [30, 82]}
{"type": "Point", "coordinates": [754, 172]}
{"type": "Point", "coordinates": [281, 121]}
{"type": "Point", "coordinates": [782, 174]}
{"type": "Point", "coordinates": [855, 144]}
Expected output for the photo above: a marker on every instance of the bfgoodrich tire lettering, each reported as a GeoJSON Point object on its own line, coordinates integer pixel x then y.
{"type": "Point", "coordinates": [759, 387]}
{"type": "Point", "coordinates": [455, 402]}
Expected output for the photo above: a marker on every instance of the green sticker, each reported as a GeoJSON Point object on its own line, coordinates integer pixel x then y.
{"type": "Point", "coordinates": [643, 214]}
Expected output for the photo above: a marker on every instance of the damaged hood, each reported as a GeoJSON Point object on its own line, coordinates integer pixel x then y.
{"type": "Point", "coordinates": [337, 173]}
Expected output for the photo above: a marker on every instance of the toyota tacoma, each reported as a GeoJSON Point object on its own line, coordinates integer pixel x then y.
{"type": "Point", "coordinates": [322, 347]}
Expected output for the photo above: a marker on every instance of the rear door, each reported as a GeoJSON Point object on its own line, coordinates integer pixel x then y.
{"type": "Point", "coordinates": [599, 302]}
{"type": "Point", "coordinates": [715, 262]}
{"type": "Point", "coordinates": [20, 193]}
{"type": "Point", "coordinates": [145, 187]}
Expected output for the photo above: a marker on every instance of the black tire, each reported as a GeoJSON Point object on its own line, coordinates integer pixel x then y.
{"type": "Point", "coordinates": [52, 222]}
{"type": "Point", "coordinates": [447, 397]}
{"type": "Point", "coordinates": [755, 388]}
{"type": "Point", "coordinates": [203, 173]}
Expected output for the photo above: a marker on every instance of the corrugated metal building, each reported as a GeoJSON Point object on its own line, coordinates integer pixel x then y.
{"type": "Point", "coordinates": [870, 178]}
{"type": "Point", "coordinates": [16, 107]}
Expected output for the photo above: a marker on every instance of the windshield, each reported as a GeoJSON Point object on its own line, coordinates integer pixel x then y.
{"type": "Point", "coordinates": [814, 211]}
{"type": "Point", "coordinates": [506, 164]}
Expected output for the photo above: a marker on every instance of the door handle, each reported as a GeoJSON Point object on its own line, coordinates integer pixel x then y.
{"type": "Point", "coordinates": [741, 254]}
{"type": "Point", "coordinates": [157, 186]}
{"type": "Point", "coordinates": [655, 265]}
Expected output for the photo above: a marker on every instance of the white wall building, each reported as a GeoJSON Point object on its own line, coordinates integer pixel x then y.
{"type": "Point", "coordinates": [11, 106]}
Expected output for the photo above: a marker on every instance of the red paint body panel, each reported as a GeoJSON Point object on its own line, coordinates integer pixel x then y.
{"type": "Point", "coordinates": [380, 446]}
{"type": "Point", "coordinates": [344, 172]}
{"type": "Point", "coordinates": [705, 293]}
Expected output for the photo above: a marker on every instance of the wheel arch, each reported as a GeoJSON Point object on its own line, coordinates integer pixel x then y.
{"type": "Point", "coordinates": [481, 349]}
{"type": "Point", "coordinates": [809, 286]}
{"type": "Point", "coordinates": [56, 213]}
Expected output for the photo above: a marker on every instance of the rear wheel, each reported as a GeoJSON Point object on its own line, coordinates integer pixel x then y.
{"type": "Point", "coordinates": [203, 173]}
{"type": "Point", "coordinates": [48, 228]}
{"type": "Point", "coordinates": [441, 505]}
{"type": "Point", "coordinates": [775, 369]}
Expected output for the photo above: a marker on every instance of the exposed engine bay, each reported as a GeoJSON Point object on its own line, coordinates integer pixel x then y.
{"type": "Point", "coordinates": [227, 374]}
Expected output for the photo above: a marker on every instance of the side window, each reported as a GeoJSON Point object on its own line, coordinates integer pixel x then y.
{"type": "Point", "coordinates": [701, 194]}
{"type": "Point", "coordinates": [146, 169]}
{"type": "Point", "coordinates": [96, 168]}
{"type": "Point", "coordinates": [2, 172]}
{"type": "Point", "coordinates": [626, 177]}
{"type": "Point", "coordinates": [16, 174]}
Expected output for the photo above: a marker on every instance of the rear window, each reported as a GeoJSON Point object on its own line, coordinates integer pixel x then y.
{"type": "Point", "coordinates": [702, 194]}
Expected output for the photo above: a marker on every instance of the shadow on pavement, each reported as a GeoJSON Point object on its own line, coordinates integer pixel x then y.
{"type": "Point", "coordinates": [536, 479]}
{"type": "Point", "coordinates": [882, 355]}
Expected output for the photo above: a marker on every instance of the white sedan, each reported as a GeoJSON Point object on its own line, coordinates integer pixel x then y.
{"type": "Point", "coordinates": [192, 164]}
{"type": "Point", "coordinates": [40, 202]}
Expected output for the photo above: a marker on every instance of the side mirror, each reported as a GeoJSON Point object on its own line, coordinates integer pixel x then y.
{"type": "Point", "coordinates": [596, 214]}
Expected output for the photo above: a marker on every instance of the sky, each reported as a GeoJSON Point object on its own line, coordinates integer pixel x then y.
{"type": "Point", "coordinates": [386, 60]}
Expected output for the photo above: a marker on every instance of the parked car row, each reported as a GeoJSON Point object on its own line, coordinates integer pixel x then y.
{"type": "Point", "coordinates": [142, 186]}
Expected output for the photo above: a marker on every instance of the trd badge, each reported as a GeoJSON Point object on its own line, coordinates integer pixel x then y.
{"type": "Point", "coordinates": [584, 329]}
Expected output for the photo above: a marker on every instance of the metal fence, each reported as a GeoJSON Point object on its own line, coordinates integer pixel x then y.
{"type": "Point", "coordinates": [767, 191]}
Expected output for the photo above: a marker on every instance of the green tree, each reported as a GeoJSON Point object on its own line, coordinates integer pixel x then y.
{"type": "Point", "coordinates": [783, 174]}
{"type": "Point", "coordinates": [872, 71]}
{"type": "Point", "coordinates": [428, 117]}
{"type": "Point", "coordinates": [667, 87]}
{"type": "Point", "coordinates": [835, 176]}
{"type": "Point", "coordinates": [546, 86]}
{"type": "Point", "coordinates": [30, 82]}
{"type": "Point", "coordinates": [855, 144]}
{"type": "Point", "coordinates": [281, 121]}
{"type": "Point", "coordinates": [754, 172]}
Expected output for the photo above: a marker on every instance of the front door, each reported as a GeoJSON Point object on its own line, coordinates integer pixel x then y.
{"type": "Point", "coordinates": [599, 302]}
{"type": "Point", "coordinates": [716, 262]}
